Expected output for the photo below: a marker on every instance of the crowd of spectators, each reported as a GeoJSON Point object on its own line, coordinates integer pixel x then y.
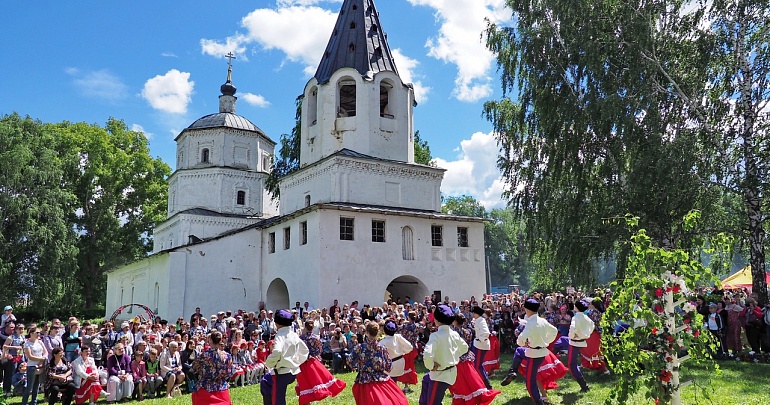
{"type": "Point", "coordinates": [141, 358]}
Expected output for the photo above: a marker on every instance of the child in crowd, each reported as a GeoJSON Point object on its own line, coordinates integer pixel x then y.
{"type": "Point", "coordinates": [20, 379]}
{"type": "Point", "coordinates": [238, 378]}
{"type": "Point", "coordinates": [139, 371]}
{"type": "Point", "coordinates": [154, 379]}
{"type": "Point", "coordinates": [247, 349]}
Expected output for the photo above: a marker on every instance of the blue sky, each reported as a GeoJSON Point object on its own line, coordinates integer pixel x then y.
{"type": "Point", "coordinates": [158, 66]}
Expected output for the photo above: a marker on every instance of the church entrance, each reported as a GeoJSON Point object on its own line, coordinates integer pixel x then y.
{"type": "Point", "coordinates": [404, 286]}
{"type": "Point", "coordinates": [277, 295]}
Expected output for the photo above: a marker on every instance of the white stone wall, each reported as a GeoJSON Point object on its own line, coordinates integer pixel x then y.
{"type": "Point", "coordinates": [148, 278]}
{"type": "Point", "coordinates": [176, 232]}
{"type": "Point", "coordinates": [325, 132]}
{"type": "Point", "coordinates": [216, 188]}
{"type": "Point", "coordinates": [363, 181]}
{"type": "Point", "coordinates": [227, 147]}
{"type": "Point", "coordinates": [328, 268]}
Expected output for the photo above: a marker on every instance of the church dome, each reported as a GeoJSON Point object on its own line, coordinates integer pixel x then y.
{"type": "Point", "coordinates": [226, 120]}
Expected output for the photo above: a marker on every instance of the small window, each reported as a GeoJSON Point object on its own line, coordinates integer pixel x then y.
{"type": "Point", "coordinates": [303, 233]}
{"type": "Point", "coordinates": [271, 242]}
{"type": "Point", "coordinates": [307, 200]}
{"type": "Point", "coordinates": [205, 155]}
{"type": "Point", "coordinates": [267, 163]}
{"type": "Point", "coordinates": [240, 199]}
{"type": "Point", "coordinates": [346, 228]}
{"type": "Point", "coordinates": [437, 235]}
{"type": "Point", "coordinates": [286, 238]}
{"type": "Point", "coordinates": [352, 25]}
{"type": "Point", "coordinates": [462, 237]}
{"type": "Point", "coordinates": [407, 243]}
{"type": "Point", "coordinates": [378, 231]}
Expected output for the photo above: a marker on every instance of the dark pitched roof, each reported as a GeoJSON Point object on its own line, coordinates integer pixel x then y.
{"type": "Point", "coordinates": [210, 213]}
{"type": "Point", "coordinates": [357, 41]}
{"type": "Point", "coordinates": [228, 120]}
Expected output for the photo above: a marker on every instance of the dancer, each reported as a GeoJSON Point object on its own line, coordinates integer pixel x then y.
{"type": "Point", "coordinates": [536, 336]}
{"type": "Point", "coordinates": [469, 388]}
{"type": "Point", "coordinates": [314, 381]}
{"type": "Point", "coordinates": [373, 385]}
{"type": "Point", "coordinates": [213, 367]}
{"type": "Point", "coordinates": [592, 354]}
{"type": "Point", "coordinates": [399, 350]}
{"type": "Point", "coordinates": [580, 330]}
{"type": "Point", "coordinates": [481, 343]}
{"type": "Point", "coordinates": [441, 356]}
{"type": "Point", "coordinates": [288, 352]}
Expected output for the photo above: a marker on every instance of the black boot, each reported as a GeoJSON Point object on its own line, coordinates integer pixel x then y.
{"type": "Point", "coordinates": [583, 385]}
{"type": "Point", "coordinates": [509, 378]}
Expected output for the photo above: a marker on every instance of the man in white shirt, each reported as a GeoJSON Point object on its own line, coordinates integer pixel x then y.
{"type": "Point", "coordinates": [288, 353]}
{"type": "Point", "coordinates": [440, 355]}
{"type": "Point", "coordinates": [397, 347]}
{"type": "Point", "coordinates": [536, 336]}
{"type": "Point", "coordinates": [580, 330]}
{"type": "Point", "coordinates": [481, 344]}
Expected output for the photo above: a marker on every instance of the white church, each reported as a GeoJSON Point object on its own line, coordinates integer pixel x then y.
{"type": "Point", "coordinates": [358, 221]}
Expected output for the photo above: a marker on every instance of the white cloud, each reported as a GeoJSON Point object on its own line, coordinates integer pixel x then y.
{"type": "Point", "coordinates": [169, 55]}
{"type": "Point", "coordinates": [99, 84]}
{"type": "Point", "coordinates": [234, 44]}
{"type": "Point", "coordinates": [139, 128]}
{"type": "Point", "coordinates": [256, 100]}
{"type": "Point", "coordinates": [406, 66]}
{"type": "Point", "coordinates": [459, 42]}
{"type": "Point", "coordinates": [170, 92]}
{"type": "Point", "coordinates": [474, 172]}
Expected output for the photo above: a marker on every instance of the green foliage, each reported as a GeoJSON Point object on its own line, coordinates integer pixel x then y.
{"type": "Point", "coordinates": [422, 151]}
{"type": "Point", "coordinates": [287, 161]}
{"type": "Point", "coordinates": [640, 355]}
{"type": "Point", "coordinates": [77, 199]}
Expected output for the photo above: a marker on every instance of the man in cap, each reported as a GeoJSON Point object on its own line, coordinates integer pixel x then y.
{"type": "Point", "coordinates": [440, 355]}
{"type": "Point", "coordinates": [536, 336]}
{"type": "Point", "coordinates": [397, 347]}
{"type": "Point", "coordinates": [288, 353]}
{"type": "Point", "coordinates": [580, 330]}
{"type": "Point", "coordinates": [481, 344]}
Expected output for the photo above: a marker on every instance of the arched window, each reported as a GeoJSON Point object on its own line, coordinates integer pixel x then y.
{"type": "Point", "coordinates": [157, 297]}
{"type": "Point", "coordinates": [307, 200]}
{"type": "Point", "coordinates": [240, 199]}
{"type": "Point", "coordinates": [205, 155]}
{"type": "Point", "coordinates": [386, 96]}
{"type": "Point", "coordinates": [407, 243]}
{"type": "Point", "coordinates": [312, 107]}
{"type": "Point", "coordinates": [346, 101]}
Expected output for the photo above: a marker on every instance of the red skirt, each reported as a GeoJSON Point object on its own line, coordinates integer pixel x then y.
{"type": "Point", "coordinates": [88, 389]}
{"type": "Point", "coordinates": [492, 360]}
{"type": "Point", "coordinates": [552, 346]}
{"type": "Point", "coordinates": [469, 389]}
{"type": "Point", "coordinates": [592, 353]}
{"type": "Point", "coordinates": [203, 397]}
{"type": "Point", "coordinates": [551, 370]}
{"type": "Point", "coordinates": [314, 382]}
{"type": "Point", "coordinates": [410, 374]}
{"type": "Point", "coordinates": [379, 393]}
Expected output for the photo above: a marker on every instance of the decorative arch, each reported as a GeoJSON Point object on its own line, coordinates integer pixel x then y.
{"type": "Point", "coordinates": [404, 286]}
{"type": "Point", "coordinates": [147, 315]}
{"type": "Point", "coordinates": [277, 295]}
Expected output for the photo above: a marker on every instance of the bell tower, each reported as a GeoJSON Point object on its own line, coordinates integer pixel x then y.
{"type": "Point", "coordinates": [356, 100]}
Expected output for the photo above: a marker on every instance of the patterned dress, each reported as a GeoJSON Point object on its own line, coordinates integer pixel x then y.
{"type": "Point", "coordinates": [592, 355]}
{"type": "Point", "coordinates": [214, 368]}
{"type": "Point", "coordinates": [314, 382]}
{"type": "Point", "coordinates": [373, 385]}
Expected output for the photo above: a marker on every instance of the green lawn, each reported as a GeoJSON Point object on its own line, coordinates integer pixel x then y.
{"type": "Point", "coordinates": [736, 384]}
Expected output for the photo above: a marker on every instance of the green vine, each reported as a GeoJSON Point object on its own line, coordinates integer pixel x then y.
{"type": "Point", "coordinates": [640, 355]}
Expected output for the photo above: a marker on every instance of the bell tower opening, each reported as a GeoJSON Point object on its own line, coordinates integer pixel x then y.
{"type": "Point", "coordinates": [386, 95]}
{"type": "Point", "coordinates": [346, 100]}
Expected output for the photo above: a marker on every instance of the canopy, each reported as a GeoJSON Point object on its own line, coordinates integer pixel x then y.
{"type": "Point", "coordinates": [742, 279]}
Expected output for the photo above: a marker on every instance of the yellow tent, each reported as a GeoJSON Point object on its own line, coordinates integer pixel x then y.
{"type": "Point", "coordinates": [742, 279]}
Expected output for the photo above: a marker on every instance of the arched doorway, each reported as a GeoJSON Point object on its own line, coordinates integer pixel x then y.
{"type": "Point", "coordinates": [277, 295]}
{"type": "Point", "coordinates": [404, 286]}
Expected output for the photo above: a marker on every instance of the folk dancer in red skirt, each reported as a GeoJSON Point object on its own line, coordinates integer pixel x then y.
{"type": "Point", "coordinates": [401, 355]}
{"type": "Point", "coordinates": [314, 381]}
{"type": "Point", "coordinates": [592, 355]}
{"type": "Point", "coordinates": [580, 330]}
{"type": "Point", "coordinates": [288, 352]}
{"type": "Point", "coordinates": [536, 336]}
{"type": "Point", "coordinates": [373, 385]}
{"type": "Point", "coordinates": [441, 356]}
{"type": "Point", "coordinates": [481, 343]}
{"type": "Point", "coordinates": [469, 388]}
{"type": "Point", "coordinates": [214, 368]}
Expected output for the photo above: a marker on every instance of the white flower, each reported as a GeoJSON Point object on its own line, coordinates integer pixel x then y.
{"type": "Point", "coordinates": [688, 307]}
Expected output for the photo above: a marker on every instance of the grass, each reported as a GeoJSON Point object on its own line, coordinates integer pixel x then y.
{"type": "Point", "coordinates": [735, 384]}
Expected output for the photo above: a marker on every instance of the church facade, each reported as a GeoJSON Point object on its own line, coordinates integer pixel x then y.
{"type": "Point", "coordinates": [358, 221]}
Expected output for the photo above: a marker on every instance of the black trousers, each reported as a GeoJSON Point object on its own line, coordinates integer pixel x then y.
{"type": "Point", "coordinates": [67, 392]}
